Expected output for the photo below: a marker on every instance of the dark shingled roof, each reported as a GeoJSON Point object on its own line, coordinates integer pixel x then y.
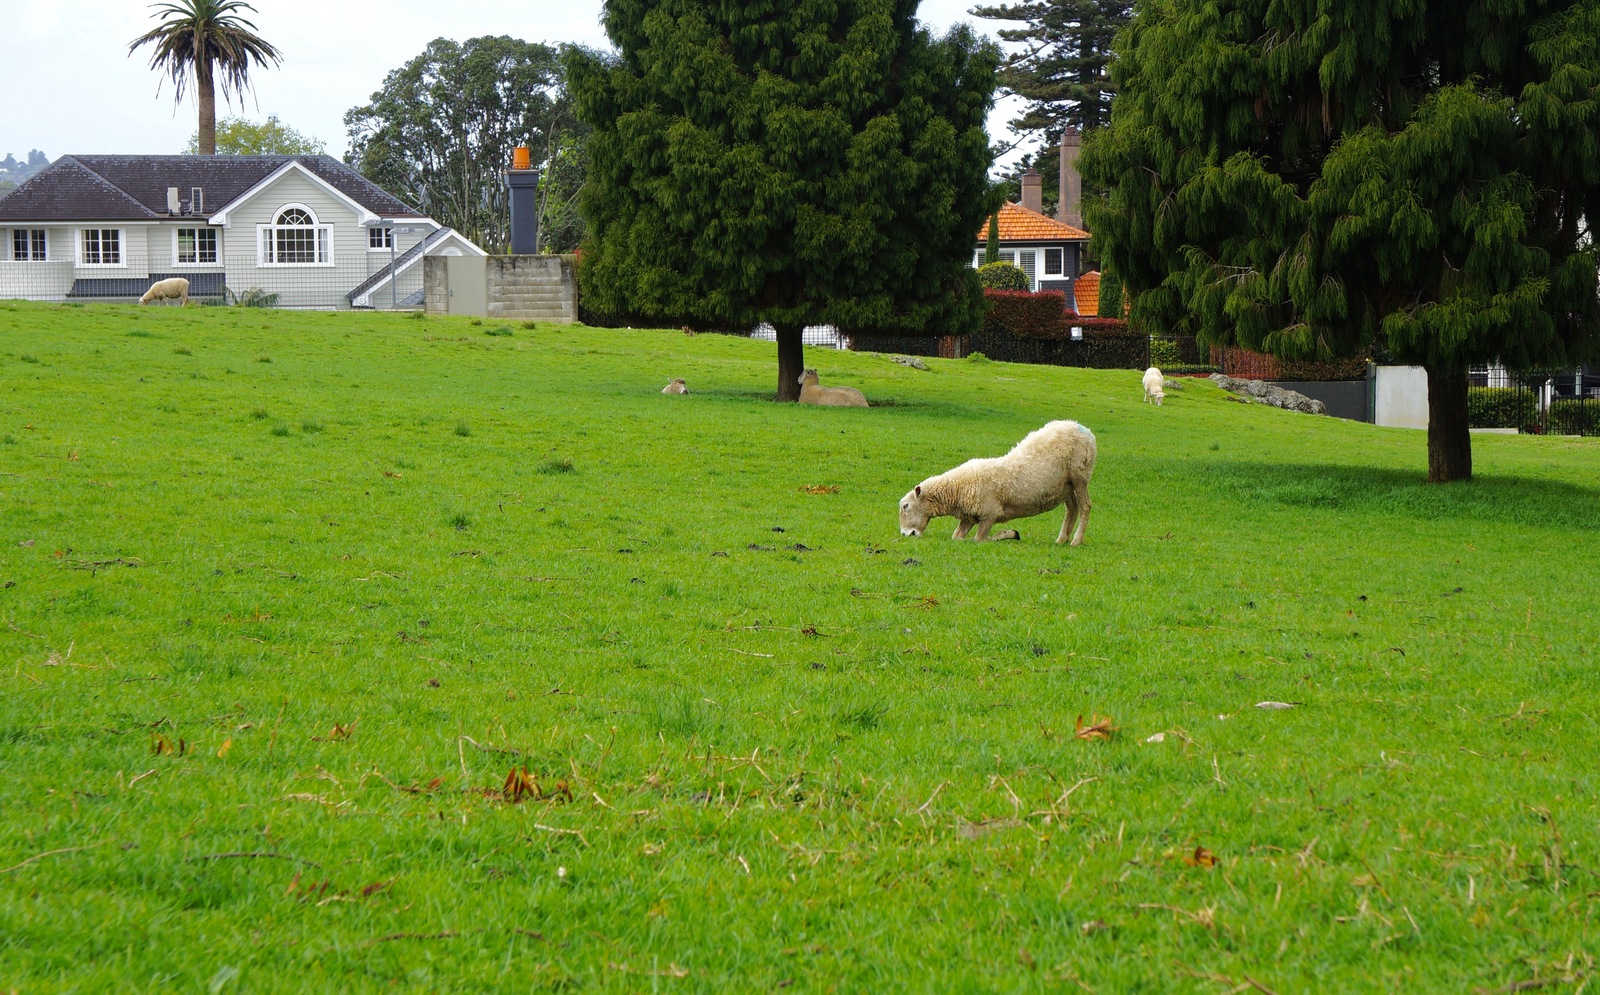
{"type": "Point", "coordinates": [134, 187]}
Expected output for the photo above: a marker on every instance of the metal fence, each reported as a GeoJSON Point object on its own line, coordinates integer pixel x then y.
{"type": "Point", "coordinates": [1539, 402]}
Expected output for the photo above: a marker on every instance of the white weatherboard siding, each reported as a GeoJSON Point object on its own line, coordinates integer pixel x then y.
{"type": "Point", "coordinates": [38, 281]}
{"type": "Point", "coordinates": [134, 247]}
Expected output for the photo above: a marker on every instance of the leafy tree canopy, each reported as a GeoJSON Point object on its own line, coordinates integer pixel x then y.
{"type": "Point", "coordinates": [1311, 179]}
{"type": "Point", "coordinates": [795, 161]}
{"type": "Point", "coordinates": [239, 136]}
{"type": "Point", "coordinates": [442, 130]}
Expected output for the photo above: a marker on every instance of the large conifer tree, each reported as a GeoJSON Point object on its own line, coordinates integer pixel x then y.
{"type": "Point", "coordinates": [790, 161]}
{"type": "Point", "coordinates": [1311, 179]}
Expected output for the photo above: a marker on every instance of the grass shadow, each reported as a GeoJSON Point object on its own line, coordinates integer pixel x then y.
{"type": "Point", "coordinates": [1505, 499]}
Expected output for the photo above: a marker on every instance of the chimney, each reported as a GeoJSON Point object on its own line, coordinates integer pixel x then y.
{"type": "Point", "coordinates": [1033, 191]}
{"type": "Point", "coordinates": [1070, 209]}
{"type": "Point", "coordinates": [522, 181]}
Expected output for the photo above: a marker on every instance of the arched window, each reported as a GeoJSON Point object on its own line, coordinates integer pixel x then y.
{"type": "Point", "coordinates": [295, 238]}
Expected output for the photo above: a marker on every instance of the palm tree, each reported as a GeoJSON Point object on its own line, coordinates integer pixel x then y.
{"type": "Point", "coordinates": [206, 38]}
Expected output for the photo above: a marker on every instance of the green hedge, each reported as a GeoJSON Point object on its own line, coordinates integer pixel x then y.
{"type": "Point", "coordinates": [1500, 407]}
{"type": "Point", "coordinates": [1574, 418]}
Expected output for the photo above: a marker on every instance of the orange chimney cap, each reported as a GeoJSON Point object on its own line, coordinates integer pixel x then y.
{"type": "Point", "coordinates": [520, 158]}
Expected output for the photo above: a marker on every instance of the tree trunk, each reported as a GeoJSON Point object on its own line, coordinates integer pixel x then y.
{"type": "Point", "coordinates": [791, 361]}
{"type": "Point", "coordinates": [1449, 441]}
{"type": "Point", "coordinates": [206, 97]}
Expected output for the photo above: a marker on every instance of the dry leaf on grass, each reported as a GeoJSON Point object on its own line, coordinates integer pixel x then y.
{"type": "Point", "coordinates": [1200, 858]}
{"type": "Point", "coordinates": [227, 745]}
{"type": "Point", "coordinates": [520, 784]}
{"type": "Point", "coordinates": [821, 489]}
{"type": "Point", "coordinates": [1099, 727]}
{"type": "Point", "coordinates": [1158, 737]}
{"type": "Point", "coordinates": [161, 746]}
{"type": "Point", "coordinates": [337, 733]}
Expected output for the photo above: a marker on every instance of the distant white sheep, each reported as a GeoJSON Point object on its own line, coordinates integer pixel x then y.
{"type": "Point", "coordinates": [1153, 381]}
{"type": "Point", "coordinates": [1048, 468]}
{"type": "Point", "coordinates": [677, 386]}
{"type": "Point", "coordinates": [176, 288]}
{"type": "Point", "coordinates": [811, 392]}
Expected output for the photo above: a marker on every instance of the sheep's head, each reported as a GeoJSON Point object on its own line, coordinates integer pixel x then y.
{"type": "Point", "coordinates": [913, 513]}
{"type": "Point", "coordinates": [808, 376]}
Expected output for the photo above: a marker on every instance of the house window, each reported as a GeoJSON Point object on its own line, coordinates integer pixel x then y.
{"type": "Point", "coordinates": [102, 247]}
{"type": "Point", "coordinates": [1053, 261]}
{"type": "Point", "coordinates": [28, 245]}
{"type": "Point", "coordinates": [196, 245]}
{"type": "Point", "coordinates": [295, 239]}
{"type": "Point", "coordinates": [1025, 262]}
{"type": "Point", "coordinates": [380, 238]}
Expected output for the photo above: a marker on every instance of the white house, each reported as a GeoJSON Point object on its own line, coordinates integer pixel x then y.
{"type": "Point", "coordinates": [308, 229]}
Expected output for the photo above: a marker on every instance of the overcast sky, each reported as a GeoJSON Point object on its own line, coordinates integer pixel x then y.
{"type": "Point", "coordinates": [71, 87]}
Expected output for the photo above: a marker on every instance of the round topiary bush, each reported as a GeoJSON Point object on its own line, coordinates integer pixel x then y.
{"type": "Point", "coordinates": [1002, 276]}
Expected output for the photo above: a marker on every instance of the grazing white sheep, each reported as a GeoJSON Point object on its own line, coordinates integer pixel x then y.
{"type": "Point", "coordinates": [1048, 468]}
{"type": "Point", "coordinates": [1153, 380]}
{"type": "Point", "coordinates": [176, 288]}
{"type": "Point", "coordinates": [811, 392]}
{"type": "Point", "coordinates": [677, 386]}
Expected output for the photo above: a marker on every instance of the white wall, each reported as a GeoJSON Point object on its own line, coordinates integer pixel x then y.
{"type": "Point", "coordinates": [1400, 397]}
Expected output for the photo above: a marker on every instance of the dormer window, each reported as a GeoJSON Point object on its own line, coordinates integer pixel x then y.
{"type": "Point", "coordinates": [295, 238]}
{"type": "Point", "coordinates": [380, 238]}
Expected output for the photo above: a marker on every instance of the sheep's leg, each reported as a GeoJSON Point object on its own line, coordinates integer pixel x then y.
{"type": "Point", "coordinates": [963, 527]}
{"type": "Point", "coordinates": [1080, 493]}
{"type": "Point", "coordinates": [982, 534]}
{"type": "Point", "coordinates": [1070, 519]}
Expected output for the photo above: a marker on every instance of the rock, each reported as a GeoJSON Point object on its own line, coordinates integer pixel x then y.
{"type": "Point", "coordinates": [911, 361]}
{"type": "Point", "coordinates": [1268, 393]}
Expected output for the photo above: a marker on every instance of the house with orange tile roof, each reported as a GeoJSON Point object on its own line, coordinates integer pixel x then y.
{"type": "Point", "coordinates": [1047, 250]}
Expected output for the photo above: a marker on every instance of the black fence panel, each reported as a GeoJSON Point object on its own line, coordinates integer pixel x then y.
{"type": "Point", "coordinates": [1095, 352]}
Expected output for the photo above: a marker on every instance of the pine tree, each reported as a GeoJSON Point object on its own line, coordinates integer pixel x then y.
{"type": "Point", "coordinates": [1316, 180]}
{"type": "Point", "coordinates": [787, 161]}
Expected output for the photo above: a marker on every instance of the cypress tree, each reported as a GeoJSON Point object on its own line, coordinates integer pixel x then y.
{"type": "Point", "coordinates": [991, 247]}
{"type": "Point", "coordinates": [790, 161]}
{"type": "Point", "coordinates": [1315, 180]}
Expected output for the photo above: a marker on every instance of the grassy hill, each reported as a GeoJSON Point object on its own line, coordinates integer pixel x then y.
{"type": "Point", "coordinates": [354, 652]}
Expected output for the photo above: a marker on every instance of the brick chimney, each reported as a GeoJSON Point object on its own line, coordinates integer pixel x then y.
{"type": "Point", "coordinates": [1033, 191]}
{"type": "Point", "coordinates": [522, 183]}
{"type": "Point", "coordinates": [1070, 208]}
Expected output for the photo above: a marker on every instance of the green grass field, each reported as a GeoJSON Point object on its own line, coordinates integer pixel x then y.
{"type": "Point", "coordinates": [365, 652]}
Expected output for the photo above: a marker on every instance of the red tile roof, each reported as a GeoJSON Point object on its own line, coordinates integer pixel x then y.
{"type": "Point", "coordinates": [1018, 224]}
{"type": "Point", "coordinates": [1086, 294]}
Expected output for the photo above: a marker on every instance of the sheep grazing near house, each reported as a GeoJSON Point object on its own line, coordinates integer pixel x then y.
{"type": "Point", "coordinates": [677, 386]}
{"type": "Point", "coordinates": [1153, 381]}
{"type": "Point", "coordinates": [811, 392]}
{"type": "Point", "coordinates": [1048, 468]}
{"type": "Point", "coordinates": [176, 289]}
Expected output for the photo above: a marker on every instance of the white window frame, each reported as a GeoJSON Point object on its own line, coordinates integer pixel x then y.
{"type": "Point", "coordinates": [1061, 270]}
{"type": "Point", "coordinates": [177, 246]}
{"type": "Point", "coordinates": [321, 236]}
{"type": "Point", "coordinates": [122, 248]}
{"type": "Point", "coordinates": [27, 236]}
{"type": "Point", "coordinates": [384, 244]}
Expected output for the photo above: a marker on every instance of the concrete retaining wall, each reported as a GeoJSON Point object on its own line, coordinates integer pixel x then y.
{"type": "Point", "coordinates": [516, 288]}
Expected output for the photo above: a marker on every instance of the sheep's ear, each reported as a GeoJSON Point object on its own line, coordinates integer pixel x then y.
{"type": "Point", "coordinates": [919, 490]}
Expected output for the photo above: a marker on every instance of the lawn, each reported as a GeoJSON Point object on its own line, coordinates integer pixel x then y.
{"type": "Point", "coordinates": [359, 652]}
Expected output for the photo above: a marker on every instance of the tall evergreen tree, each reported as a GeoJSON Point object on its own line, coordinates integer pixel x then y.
{"type": "Point", "coordinates": [1309, 179]}
{"type": "Point", "coordinates": [794, 161]}
{"type": "Point", "coordinates": [1061, 68]}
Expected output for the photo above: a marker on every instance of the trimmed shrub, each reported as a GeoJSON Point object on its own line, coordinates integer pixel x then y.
{"type": "Point", "coordinates": [1164, 353]}
{"type": "Point", "coordinates": [1500, 407]}
{"type": "Point", "coordinates": [1027, 315]}
{"type": "Point", "coordinates": [1002, 276]}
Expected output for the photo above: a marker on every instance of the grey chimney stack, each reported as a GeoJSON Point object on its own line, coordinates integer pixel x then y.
{"type": "Point", "coordinates": [1033, 191]}
{"type": "Point", "coordinates": [522, 183]}
{"type": "Point", "coordinates": [1070, 209]}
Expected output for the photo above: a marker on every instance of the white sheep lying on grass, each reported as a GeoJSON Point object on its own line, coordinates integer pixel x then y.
{"type": "Point", "coordinates": [1049, 468]}
{"type": "Point", "coordinates": [176, 288]}
{"type": "Point", "coordinates": [1153, 381]}
{"type": "Point", "coordinates": [811, 392]}
{"type": "Point", "coordinates": [677, 386]}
